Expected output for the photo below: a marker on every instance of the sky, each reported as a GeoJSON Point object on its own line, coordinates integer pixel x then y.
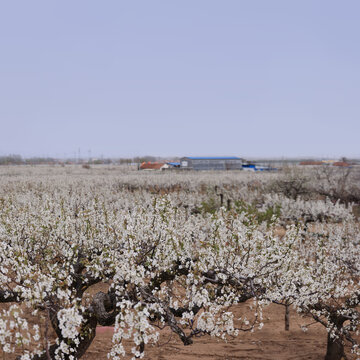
{"type": "Point", "coordinates": [120, 78]}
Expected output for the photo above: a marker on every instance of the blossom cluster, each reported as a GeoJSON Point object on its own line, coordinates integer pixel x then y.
{"type": "Point", "coordinates": [163, 264]}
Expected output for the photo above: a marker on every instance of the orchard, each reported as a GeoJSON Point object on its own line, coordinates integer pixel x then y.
{"type": "Point", "coordinates": [173, 250]}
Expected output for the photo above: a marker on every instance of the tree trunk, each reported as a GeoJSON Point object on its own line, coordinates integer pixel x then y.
{"type": "Point", "coordinates": [89, 332]}
{"type": "Point", "coordinates": [287, 317]}
{"type": "Point", "coordinates": [100, 312]}
{"type": "Point", "coordinates": [335, 349]}
{"type": "Point", "coordinates": [228, 204]}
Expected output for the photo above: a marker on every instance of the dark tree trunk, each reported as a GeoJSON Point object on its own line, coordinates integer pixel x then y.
{"type": "Point", "coordinates": [335, 346]}
{"type": "Point", "coordinates": [287, 317]}
{"type": "Point", "coordinates": [89, 332]}
{"type": "Point", "coordinates": [229, 204]}
{"type": "Point", "coordinates": [96, 314]}
{"type": "Point", "coordinates": [335, 349]}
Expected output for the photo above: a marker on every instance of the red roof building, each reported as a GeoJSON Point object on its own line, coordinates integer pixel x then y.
{"type": "Point", "coordinates": [341, 163]}
{"type": "Point", "coordinates": [311, 163]}
{"type": "Point", "coordinates": [153, 166]}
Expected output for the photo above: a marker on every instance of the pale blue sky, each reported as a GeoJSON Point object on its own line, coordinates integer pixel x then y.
{"type": "Point", "coordinates": [181, 77]}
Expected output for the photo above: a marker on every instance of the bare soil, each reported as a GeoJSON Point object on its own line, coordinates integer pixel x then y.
{"type": "Point", "coordinates": [271, 342]}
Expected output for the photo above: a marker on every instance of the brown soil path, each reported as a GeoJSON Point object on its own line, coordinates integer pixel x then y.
{"type": "Point", "coordinates": [271, 342]}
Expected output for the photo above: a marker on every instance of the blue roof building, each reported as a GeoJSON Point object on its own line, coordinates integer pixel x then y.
{"type": "Point", "coordinates": [211, 163]}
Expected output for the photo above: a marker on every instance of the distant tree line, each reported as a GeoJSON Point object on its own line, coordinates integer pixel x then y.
{"type": "Point", "coordinates": [14, 159]}
{"type": "Point", "coordinates": [18, 160]}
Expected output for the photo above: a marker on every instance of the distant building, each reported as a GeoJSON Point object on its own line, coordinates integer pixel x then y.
{"type": "Point", "coordinates": [253, 167]}
{"type": "Point", "coordinates": [311, 162]}
{"type": "Point", "coordinates": [173, 164]}
{"type": "Point", "coordinates": [211, 163]}
{"type": "Point", "coordinates": [153, 166]}
{"type": "Point", "coordinates": [341, 163]}
{"type": "Point", "coordinates": [249, 167]}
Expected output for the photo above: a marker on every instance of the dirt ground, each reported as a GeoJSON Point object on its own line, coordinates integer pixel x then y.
{"type": "Point", "coordinates": [271, 342]}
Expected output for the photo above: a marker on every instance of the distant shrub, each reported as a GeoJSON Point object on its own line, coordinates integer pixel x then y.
{"type": "Point", "coordinates": [293, 183]}
{"type": "Point", "coordinates": [209, 206]}
{"type": "Point", "coordinates": [268, 215]}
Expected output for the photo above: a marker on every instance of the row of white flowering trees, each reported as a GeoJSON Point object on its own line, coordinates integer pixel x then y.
{"type": "Point", "coordinates": [164, 266]}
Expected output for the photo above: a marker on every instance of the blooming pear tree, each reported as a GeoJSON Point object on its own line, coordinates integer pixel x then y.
{"type": "Point", "coordinates": [322, 280]}
{"type": "Point", "coordinates": [159, 263]}
{"type": "Point", "coordinates": [163, 268]}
